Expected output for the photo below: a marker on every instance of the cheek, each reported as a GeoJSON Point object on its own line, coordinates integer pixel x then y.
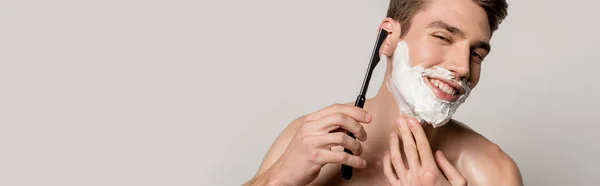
{"type": "Point", "coordinates": [426, 54]}
{"type": "Point", "coordinates": [475, 74]}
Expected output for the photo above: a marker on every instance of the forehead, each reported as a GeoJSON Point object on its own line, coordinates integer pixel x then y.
{"type": "Point", "coordinates": [466, 15]}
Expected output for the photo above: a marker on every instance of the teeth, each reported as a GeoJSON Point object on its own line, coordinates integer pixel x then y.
{"type": "Point", "coordinates": [443, 86]}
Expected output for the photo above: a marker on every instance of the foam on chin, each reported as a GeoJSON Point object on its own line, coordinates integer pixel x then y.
{"type": "Point", "coordinates": [414, 97]}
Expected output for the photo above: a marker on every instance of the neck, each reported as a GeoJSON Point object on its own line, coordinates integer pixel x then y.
{"type": "Point", "coordinates": [385, 110]}
{"type": "Point", "coordinates": [383, 105]}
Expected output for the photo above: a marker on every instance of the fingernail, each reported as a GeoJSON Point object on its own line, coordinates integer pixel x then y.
{"type": "Point", "coordinates": [412, 123]}
{"type": "Point", "coordinates": [364, 163]}
{"type": "Point", "coordinates": [393, 134]}
{"type": "Point", "coordinates": [402, 122]}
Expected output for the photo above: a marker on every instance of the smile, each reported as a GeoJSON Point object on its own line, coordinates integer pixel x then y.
{"type": "Point", "coordinates": [444, 89]}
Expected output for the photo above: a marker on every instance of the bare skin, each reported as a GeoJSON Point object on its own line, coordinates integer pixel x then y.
{"type": "Point", "coordinates": [451, 34]}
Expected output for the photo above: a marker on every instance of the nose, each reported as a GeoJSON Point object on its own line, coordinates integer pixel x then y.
{"type": "Point", "coordinates": [458, 62]}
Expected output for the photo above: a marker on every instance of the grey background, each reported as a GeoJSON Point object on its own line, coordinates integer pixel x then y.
{"type": "Point", "coordinates": [194, 92]}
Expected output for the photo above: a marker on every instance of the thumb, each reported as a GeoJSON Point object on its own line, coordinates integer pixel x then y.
{"type": "Point", "coordinates": [454, 177]}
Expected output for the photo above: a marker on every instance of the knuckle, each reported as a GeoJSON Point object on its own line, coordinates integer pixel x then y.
{"type": "Point", "coordinates": [308, 141]}
{"type": "Point", "coordinates": [340, 138]}
{"type": "Point", "coordinates": [361, 112]}
{"type": "Point", "coordinates": [355, 111]}
{"type": "Point", "coordinates": [304, 129]}
{"type": "Point", "coordinates": [306, 122]}
{"type": "Point", "coordinates": [343, 157]}
{"type": "Point", "coordinates": [314, 156]}
{"type": "Point", "coordinates": [422, 147]}
{"type": "Point", "coordinates": [340, 117]}
{"type": "Point", "coordinates": [308, 117]}
{"type": "Point", "coordinates": [336, 106]}
{"type": "Point", "coordinates": [428, 176]}
{"type": "Point", "coordinates": [304, 125]}
{"type": "Point", "coordinates": [412, 120]}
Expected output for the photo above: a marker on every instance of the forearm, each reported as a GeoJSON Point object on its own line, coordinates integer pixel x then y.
{"type": "Point", "coordinates": [265, 179]}
{"type": "Point", "coordinates": [256, 180]}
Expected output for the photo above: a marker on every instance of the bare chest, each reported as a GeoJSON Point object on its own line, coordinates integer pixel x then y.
{"type": "Point", "coordinates": [365, 179]}
{"type": "Point", "coordinates": [371, 175]}
{"type": "Point", "coordinates": [359, 178]}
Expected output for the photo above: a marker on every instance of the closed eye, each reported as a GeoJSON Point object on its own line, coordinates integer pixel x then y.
{"type": "Point", "coordinates": [445, 39]}
{"type": "Point", "coordinates": [477, 56]}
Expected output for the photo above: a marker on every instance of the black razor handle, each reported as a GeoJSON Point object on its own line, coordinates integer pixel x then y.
{"type": "Point", "coordinates": [360, 100]}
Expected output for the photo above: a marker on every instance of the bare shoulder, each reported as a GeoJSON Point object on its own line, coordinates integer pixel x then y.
{"type": "Point", "coordinates": [482, 161]}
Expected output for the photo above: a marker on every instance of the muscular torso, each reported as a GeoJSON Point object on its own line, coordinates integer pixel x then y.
{"type": "Point", "coordinates": [453, 139]}
{"type": "Point", "coordinates": [479, 161]}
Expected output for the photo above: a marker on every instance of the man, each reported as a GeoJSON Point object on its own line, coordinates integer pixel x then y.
{"type": "Point", "coordinates": [411, 138]}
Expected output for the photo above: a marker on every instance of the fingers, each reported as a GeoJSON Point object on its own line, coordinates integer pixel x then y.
{"type": "Point", "coordinates": [396, 156]}
{"type": "Point", "coordinates": [423, 147]}
{"type": "Point", "coordinates": [448, 169]}
{"type": "Point", "coordinates": [335, 139]}
{"type": "Point", "coordinates": [341, 158]}
{"type": "Point", "coordinates": [357, 113]}
{"type": "Point", "coordinates": [387, 169]}
{"type": "Point", "coordinates": [408, 142]}
{"type": "Point", "coordinates": [339, 120]}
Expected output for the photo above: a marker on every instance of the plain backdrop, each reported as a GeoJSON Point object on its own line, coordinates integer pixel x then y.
{"type": "Point", "coordinates": [180, 92]}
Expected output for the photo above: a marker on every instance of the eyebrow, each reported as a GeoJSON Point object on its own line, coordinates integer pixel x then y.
{"type": "Point", "coordinates": [449, 28]}
{"type": "Point", "coordinates": [456, 31]}
{"type": "Point", "coordinates": [483, 45]}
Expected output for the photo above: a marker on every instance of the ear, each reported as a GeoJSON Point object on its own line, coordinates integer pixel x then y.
{"type": "Point", "coordinates": [391, 41]}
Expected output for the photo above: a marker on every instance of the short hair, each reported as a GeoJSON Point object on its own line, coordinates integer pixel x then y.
{"type": "Point", "coordinates": [403, 11]}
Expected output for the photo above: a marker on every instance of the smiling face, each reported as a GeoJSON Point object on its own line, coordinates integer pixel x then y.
{"type": "Point", "coordinates": [449, 37]}
{"type": "Point", "coordinates": [453, 34]}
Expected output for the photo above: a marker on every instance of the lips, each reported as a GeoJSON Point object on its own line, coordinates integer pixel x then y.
{"type": "Point", "coordinates": [444, 89]}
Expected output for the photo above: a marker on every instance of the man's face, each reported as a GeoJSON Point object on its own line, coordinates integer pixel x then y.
{"type": "Point", "coordinates": [438, 61]}
{"type": "Point", "coordinates": [453, 34]}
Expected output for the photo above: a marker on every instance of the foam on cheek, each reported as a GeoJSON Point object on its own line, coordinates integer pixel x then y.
{"type": "Point", "coordinates": [413, 96]}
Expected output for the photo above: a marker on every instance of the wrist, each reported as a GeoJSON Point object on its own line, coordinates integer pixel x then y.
{"type": "Point", "coordinates": [270, 177]}
{"type": "Point", "coordinates": [273, 181]}
{"type": "Point", "coordinates": [275, 177]}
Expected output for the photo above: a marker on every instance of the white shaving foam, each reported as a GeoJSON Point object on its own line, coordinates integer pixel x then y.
{"type": "Point", "coordinates": [414, 97]}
